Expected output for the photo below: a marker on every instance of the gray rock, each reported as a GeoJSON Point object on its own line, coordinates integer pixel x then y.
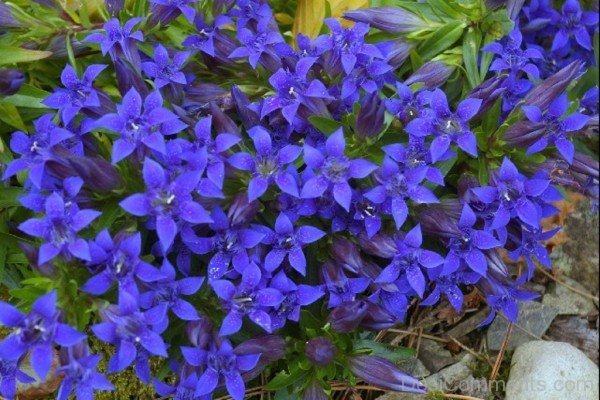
{"type": "Point", "coordinates": [533, 317]}
{"type": "Point", "coordinates": [415, 367]}
{"type": "Point", "coordinates": [434, 356]}
{"type": "Point", "coordinates": [543, 370]}
{"type": "Point", "coordinates": [566, 301]}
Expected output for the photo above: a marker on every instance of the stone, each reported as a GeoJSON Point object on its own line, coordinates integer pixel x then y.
{"type": "Point", "coordinates": [543, 370]}
{"type": "Point", "coordinates": [434, 356]}
{"type": "Point", "coordinates": [566, 301]}
{"type": "Point", "coordinates": [414, 367]}
{"type": "Point", "coordinates": [578, 331]}
{"type": "Point", "coordinates": [534, 318]}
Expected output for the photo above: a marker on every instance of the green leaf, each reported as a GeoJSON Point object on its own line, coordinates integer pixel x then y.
{"type": "Point", "coordinates": [284, 379]}
{"type": "Point", "coordinates": [383, 350]}
{"type": "Point", "coordinates": [471, 44]}
{"type": "Point", "coordinates": [441, 39]}
{"type": "Point", "coordinates": [325, 125]}
{"type": "Point", "coordinates": [10, 115]}
{"type": "Point", "coordinates": [13, 55]}
{"type": "Point", "coordinates": [447, 7]}
{"type": "Point", "coordinates": [9, 196]}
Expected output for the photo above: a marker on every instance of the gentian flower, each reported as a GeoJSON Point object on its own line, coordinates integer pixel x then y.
{"type": "Point", "coordinates": [467, 246]}
{"type": "Point", "coordinates": [347, 316]}
{"type": "Point", "coordinates": [555, 130]}
{"type": "Point", "coordinates": [205, 39]}
{"type": "Point", "coordinates": [80, 375]}
{"type": "Point", "coordinates": [573, 22]}
{"type": "Point", "coordinates": [250, 298]}
{"type": "Point", "coordinates": [258, 47]}
{"type": "Point", "coordinates": [222, 364]}
{"type": "Point", "coordinates": [139, 129]}
{"type": "Point", "coordinates": [446, 126]}
{"type": "Point", "coordinates": [119, 41]}
{"type": "Point", "coordinates": [10, 80]}
{"type": "Point", "coordinates": [449, 286]}
{"type": "Point", "coordinates": [268, 165]}
{"type": "Point", "coordinates": [36, 332]}
{"type": "Point", "coordinates": [512, 58]}
{"type": "Point", "coordinates": [253, 14]}
{"type": "Point", "coordinates": [384, 374]}
{"type": "Point", "coordinates": [35, 149]}
{"type": "Point", "coordinates": [395, 187]}
{"type": "Point", "coordinates": [340, 288]}
{"type": "Point", "coordinates": [414, 155]}
{"type": "Point", "coordinates": [10, 373]}
{"type": "Point", "coordinates": [531, 244]}
{"type": "Point", "coordinates": [431, 75]}
{"type": "Point", "coordinates": [129, 329]}
{"type": "Point", "coordinates": [288, 242]}
{"type": "Point", "coordinates": [59, 228]}
{"type": "Point", "coordinates": [230, 244]}
{"type": "Point", "coordinates": [320, 351]}
{"type": "Point", "coordinates": [408, 105]}
{"type": "Point", "coordinates": [409, 261]}
{"type": "Point", "coordinates": [162, 70]}
{"type": "Point", "coordinates": [334, 169]}
{"type": "Point", "coordinates": [165, 11]}
{"type": "Point", "coordinates": [388, 19]}
{"type": "Point", "coordinates": [168, 200]}
{"type": "Point", "coordinates": [503, 298]}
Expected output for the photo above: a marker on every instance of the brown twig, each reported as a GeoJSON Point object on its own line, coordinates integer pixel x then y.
{"type": "Point", "coordinates": [460, 397]}
{"type": "Point", "coordinates": [477, 355]}
{"type": "Point", "coordinates": [423, 335]}
{"type": "Point", "coordinates": [571, 288]}
{"type": "Point", "coordinates": [500, 357]}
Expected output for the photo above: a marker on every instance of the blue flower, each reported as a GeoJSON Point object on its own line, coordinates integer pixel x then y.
{"type": "Point", "coordinates": [9, 375]}
{"type": "Point", "coordinates": [258, 47]}
{"type": "Point", "coordinates": [80, 376]}
{"type": "Point", "coordinates": [340, 288]}
{"type": "Point", "coordinates": [294, 298]}
{"type": "Point", "coordinates": [119, 41]}
{"type": "Point", "coordinates": [449, 285]}
{"type": "Point", "coordinates": [332, 170]}
{"type": "Point", "coordinates": [512, 58]}
{"type": "Point", "coordinates": [165, 11]}
{"type": "Point", "coordinates": [138, 129]}
{"type": "Point", "coordinates": [204, 40]}
{"type": "Point", "coordinates": [573, 22]}
{"type": "Point", "coordinates": [36, 332]}
{"type": "Point", "coordinates": [162, 70]}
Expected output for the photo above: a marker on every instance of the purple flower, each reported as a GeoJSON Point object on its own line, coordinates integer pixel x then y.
{"type": "Point", "coordinates": [35, 149]}
{"type": "Point", "coordinates": [408, 105]}
{"type": "Point", "coordinates": [384, 374]}
{"type": "Point", "coordinates": [139, 129]}
{"type": "Point", "coordinates": [250, 298]}
{"type": "Point", "coordinates": [115, 261]}
{"type": "Point", "coordinates": [320, 351]}
{"type": "Point", "coordinates": [129, 329]}
{"type": "Point", "coordinates": [165, 11]}
{"type": "Point", "coordinates": [503, 298]}
{"type": "Point", "coordinates": [9, 375]}
{"type": "Point", "coordinates": [258, 47]}
{"type": "Point", "coordinates": [415, 155]}
{"type": "Point", "coordinates": [80, 375]}
{"type": "Point", "coordinates": [163, 288]}
{"type": "Point", "coordinates": [573, 22]}
{"type": "Point", "coordinates": [554, 130]}
{"type": "Point", "coordinates": [512, 196]}
{"type": "Point", "coordinates": [288, 242]}
{"type": "Point", "coordinates": [468, 245]}
{"type": "Point", "coordinates": [396, 187]}
{"type": "Point", "coordinates": [446, 126]}
{"type": "Point", "coordinates": [162, 70]}
{"type": "Point", "coordinates": [294, 297]}
{"type": "Point", "coordinates": [531, 244]}
{"type": "Point", "coordinates": [168, 200]}
{"type": "Point", "coordinates": [342, 289]}
{"type": "Point", "coordinates": [388, 19]}
{"type": "Point", "coordinates": [59, 228]}
{"type": "Point", "coordinates": [205, 39]}
{"type": "Point", "coordinates": [36, 332]}
{"type": "Point", "coordinates": [334, 169]}
{"type": "Point", "coordinates": [409, 260]}
{"type": "Point", "coordinates": [512, 58]}
{"type": "Point", "coordinates": [222, 364]}
{"type": "Point", "coordinates": [268, 165]}
{"type": "Point", "coordinates": [119, 41]}
{"type": "Point", "coordinates": [10, 80]}
{"type": "Point", "coordinates": [449, 286]}
{"type": "Point", "coordinates": [77, 93]}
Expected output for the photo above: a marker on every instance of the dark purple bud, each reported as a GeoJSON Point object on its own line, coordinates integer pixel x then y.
{"type": "Point", "coordinates": [435, 221]}
{"type": "Point", "coordinates": [496, 267]}
{"type": "Point", "coordinates": [249, 118]}
{"type": "Point", "coordinates": [200, 332]}
{"type": "Point", "coordinates": [114, 6]}
{"type": "Point", "coordinates": [546, 92]}
{"type": "Point", "coordinates": [488, 91]}
{"type": "Point", "coordinates": [241, 211]}
{"type": "Point", "coordinates": [380, 245]}
{"type": "Point", "coordinates": [346, 253]}
{"type": "Point", "coordinates": [398, 51]}
{"type": "Point", "coordinates": [222, 6]}
{"type": "Point", "coordinates": [585, 165]}
{"type": "Point", "coordinates": [377, 318]}
{"type": "Point", "coordinates": [557, 170]}
{"type": "Point", "coordinates": [523, 133]}
{"type": "Point", "coordinates": [348, 316]}
{"type": "Point", "coordinates": [31, 253]}
{"type": "Point", "coordinates": [97, 173]}
{"type": "Point", "coordinates": [314, 391]}
{"type": "Point", "coordinates": [10, 81]}
{"type": "Point", "coordinates": [494, 4]}
{"type": "Point", "coordinates": [7, 20]}
{"type": "Point", "coordinates": [320, 351]}
{"type": "Point", "coordinates": [514, 8]}
{"type": "Point", "coordinates": [388, 19]}
{"type": "Point", "coordinates": [369, 120]}
{"type": "Point", "coordinates": [384, 374]}
{"type": "Point", "coordinates": [221, 121]}
{"type": "Point", "coordinates": [270, 347]}
{"type": "Point", "coordinates": [432, 74]}
{"type": "Point", "coordinates": [203, 92]}
{"type": "Point", "coordinates": [332, 272]}
{"type": "Point", "coordinates": [128, 78]}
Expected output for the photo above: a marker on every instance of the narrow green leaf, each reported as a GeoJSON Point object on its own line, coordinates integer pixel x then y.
{"type": "Point", "coordinates": [10, 115]}
{"type": "Point", "coordinates": [13, 55]}
{"type": "Point", "coordinates": [9, 196]}
{"type": "Point", "coordinates": [325, 125]}
{"type": "Point", "coordinates": [441, 40]}
{"type": "Point", "coordinates": [380, 349]}
{"type": "Point", "coordinates": [471, 45]}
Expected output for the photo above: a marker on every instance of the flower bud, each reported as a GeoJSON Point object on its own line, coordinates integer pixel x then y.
{"type": "Point", "coordinates": [380, 245]}
{"type": "Point", "coordinates": [10, 81]}
{"type": "Point", "coordinates": [488, 91]}
{"type": "Point", "coordinates": [369, 121]}
{"type": "Point", "coordinates": [346, 253]}
{"type": "Point", "coordinates": [377, 318]}
{"type": "Point", "coordinates": [248, 117]}
{"type": "Point", "coordinates": [200, 332]}
{"type": "Point", "coordinates": [114, 6]}
{"type": "Point", "coordinates": [320, 351]}
{"type": "Point", "coordinates": [398, 51]}
{"type": "Point", "coordinates": [432, 74]}
{"type": "Point", "coordinates": [388, 19]}
{"type": "Point", "coordinates": [585, 165]}
{"type": "Point", "coordinates": [97, 173]}
{"type": "Point", "coordinates": [314, 391]}
{"type": "Point", "coordinates": [7, 20]}
{"type": "Point", "coordinates": [270, 347]}
{"type": "Point", "coordinates": [546, 92]}
{"type": "Point", "coordinates": [348, 316]}
{"type": "Point", "coordinates": [221, 121]}
{"type": "Point", "coordinates": [384, 374]}
{"type": "Point", "coordinates": [31, 253]}
{"type": "Point", "coordinates": [514, 8]}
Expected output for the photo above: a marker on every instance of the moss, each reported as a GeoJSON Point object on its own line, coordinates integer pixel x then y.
{"type": "Point", "coordinates": [127, 384]}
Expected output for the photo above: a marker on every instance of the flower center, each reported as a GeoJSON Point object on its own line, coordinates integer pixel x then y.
{"type": "Point", "coordinates": [336, 168]}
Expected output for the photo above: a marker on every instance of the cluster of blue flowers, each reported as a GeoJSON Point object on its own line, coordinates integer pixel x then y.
{"type": "Point", "coordinates": [251, 212]}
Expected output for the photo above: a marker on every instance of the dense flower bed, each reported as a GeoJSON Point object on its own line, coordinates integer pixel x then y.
{"type": "Point", "coordinates": [206, 189]}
